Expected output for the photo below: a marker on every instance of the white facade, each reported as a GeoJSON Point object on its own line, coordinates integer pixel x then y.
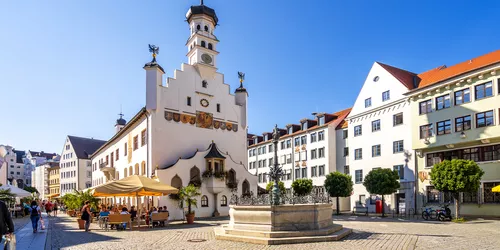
{"type": "Point", "coordinates": [309, 150]}
{"type": "Point", "coordinates": [380, 136]}
{"type": "Point", "coordinates": [182, 119]}
{"type": "Point", "coordinates": [14, 168]}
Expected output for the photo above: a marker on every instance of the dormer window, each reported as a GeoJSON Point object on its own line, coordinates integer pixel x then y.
{"type": "Point", "coordinates": [266, 137]}
{"type": "Point", "coordinates": [304, 126]}
{"type": "Point", "coordinates": [290, 130]}
{"type": "Point", "coordinates": [321, 121]}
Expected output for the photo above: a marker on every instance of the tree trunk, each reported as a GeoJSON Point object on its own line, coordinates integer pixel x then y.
{"type": "Point", "coordinates": [383, 202]}
{"type": "Point", "coordinates": [338, 206]}
{"type": "Point", "coordinates": [457, 205]}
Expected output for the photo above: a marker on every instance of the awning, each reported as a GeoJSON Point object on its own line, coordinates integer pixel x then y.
{"type": "Point", "coordinates": [53, 195]}
{"type": "Point", "coordinates": [20, 193]}
{"type": "Point", "coordinates": [496, 189]}
{"type": "Point", "coordinates": [135, 185]}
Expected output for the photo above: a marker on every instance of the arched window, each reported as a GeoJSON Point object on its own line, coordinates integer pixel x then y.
{"type": "Point", "coordinates": [136, 169]}
{"type": "Point", "coordinates": [206, 28]}
{"type": "Point", "coordinates": [125, 173]}
{"type": "Point", "coordinates": [130, 171]}
{"type": "Point", "coordinates": [191, 47]}
{"type": "Point", "coordinates": [210, 46]}
{"type": "Point", "coordinates": [204, 201]}
{"type": "Point", "coordinates": [143, 168]}
{"type": "Point", "coordinates": [223, 201]}
{"type": "Point", "coordinates": [194, 176]}
{"type": "Point", "coordinates": [198, 27]}
{"type": "Point", "coordinates": [203, 44]}
{"type": "Point", "coordinates": [204, 84]}
{"type": "Point", "coordinates": [231, 177]}
{"type": "Point", "coordinates": [245, 188]}
{"type": "Point", "coordinates": [176, 182]}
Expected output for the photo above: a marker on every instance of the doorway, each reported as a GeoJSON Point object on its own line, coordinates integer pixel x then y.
{"type": "Point", "coordinates": [401, 203]}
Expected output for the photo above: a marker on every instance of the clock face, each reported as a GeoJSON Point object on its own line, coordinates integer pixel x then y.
{"type": "Point", "coordinates": [206, 58]}
{"type": "Point", "coordinates": [204, 102]}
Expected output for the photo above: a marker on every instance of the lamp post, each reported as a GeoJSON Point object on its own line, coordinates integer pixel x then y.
{"type": "Point", "coordinates": [275, 172]}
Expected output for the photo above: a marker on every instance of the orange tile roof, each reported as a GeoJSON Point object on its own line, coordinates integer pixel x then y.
{"type": "Point", "coordinates": [407, 78]}
{"type": "Point", "coordinates": [443, 73]}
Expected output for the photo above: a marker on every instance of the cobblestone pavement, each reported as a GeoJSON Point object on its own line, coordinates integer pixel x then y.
{"type": "Point", "coordinates": [369, 233]}
{"type": "Point", "coordinates": [20, 222]}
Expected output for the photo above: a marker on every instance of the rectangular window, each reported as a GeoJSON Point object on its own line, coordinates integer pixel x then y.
{"type": "Point", "coordinates": [297, 173]}
{"type": "Point", "coordinates": [345, 134]}
{"type": "Point", "coordinates": [321, 135]}
{"type": "Point", "coordinates": [368, 102]}
{"type": "Point", "coordinates": [321, 121]}
{"type": "Point", "coordinates": [491, 153]}
{"type": "Point", "coordinates": [297, 141]}
{"type": "Point", "coordinates": [313, 137]}
{"type": "Point", "coordinates": [117, 154]}
{"type": "Point", "coordinates": [358, 154]}
{"type": "Point", "coordinates": [303, 140]}
{"type": "Point", "coordinates": [264, 163]}
{"type": "Point", "coordinates": [143, 138]}
{"type": "Point", "coordinates": [322, 170]}
{"type": "Point", "coordinates": [282, 144]}
{"type": "Point", "coordinates": [469, 197]}
{"type": "Point", "coordinates": [358, 130]}
{"type": "Point", "coordinates": [314, 154]}
{"type": "Point", "coordinates": [321, 152]}
{"type": "Point", "coordinates": [442, 102]}
{"type": "Point", "coordinates": [136, 142]}
{"type": "Point", "coordinates": [270, 148]}
{"type": "Point", "coordinates": [484, 119]}
{"type": "Point", "coordinates": [489, 196]}
{"type": "Point", "coordinates": [483, 90]}
{"type": "Point", "coordinates": [346, 169]}
{"type": "Point", "coordinates": [401, 171]}
{"type": "Point", "coordinates": [375, 150]}
{"type": "Point", "coordinates": [397, 147]}
{"type": "Point", "coordinates": [313, 171]}
{"type": "Point", "coordinates": [259, 151]}
{"type": "Point", "coordinates": [386, 96]}
{"type": "Point", "coordinates": [358, 176]}
{"type": "Point", "coordinates": [125, 149]}
{"type": "Point", "coordinates": [463, 123]}
{"type": "Point", "coordinates": [426, 131]}
{"type": "Point", "coordinates": [432, 195]}
{"type": "Point", "coordinates": [362, 200]}
{"type": "Point", "coordinates": [425, 107]}
{"type": "Point", "coordinates": [375, 125]}
{"type": "Point", "coordinates": [471, 154]}
{"type": "Point", "coordinates": [289, 158]}
{"type": "Point", "coordinates": [264, 149]}
{"type": "Point", "coordinates": [218, 107]}
{"type": "Point", "coordinates": [188, 101]}
{"type": "Point", "coordinates": [260, 178]}
{"type": "Point", "coordinates": [397, 119]}
{"type": "Point", "coordinates": [462, 96]}
{"type": "Point", "coordinates": [271, 161]}
{"type": "Point", "coordinates": [444, 127]}
{"type": "Point", "coordinates": [304, 172]}
{"type": "Point", "coordinates": [346, 151]}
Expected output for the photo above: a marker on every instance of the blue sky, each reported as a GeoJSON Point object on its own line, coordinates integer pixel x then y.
{"type": "Point", "coordinates": [67, 66]}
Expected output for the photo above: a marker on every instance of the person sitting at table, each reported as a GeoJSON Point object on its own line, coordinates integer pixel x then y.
{"type": "Point", "coordinates": [154, 211]}
{"type": "Point", "coordinates": [104, 212]}
{"type": "Point", "coordinates": [165, 209]}
{"type": "Point", "coordinates": [124, 211]}
{"type": "Point", "coordinates": [133, 213]}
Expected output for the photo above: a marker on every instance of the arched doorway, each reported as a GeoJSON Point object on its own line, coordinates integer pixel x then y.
{"type": "Point", "coordinates": [245, 188]}
{"type": "Point", "coordinates": [176, 182]}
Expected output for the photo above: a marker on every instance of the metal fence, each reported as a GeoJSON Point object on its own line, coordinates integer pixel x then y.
{"type": "Point", "coordinates": [285, 199]}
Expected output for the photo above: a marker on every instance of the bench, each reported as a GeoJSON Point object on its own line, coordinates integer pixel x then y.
{"type": "Point", "coordinates": [360, 210]}
{"type": "Point", "coordinates": [159, 217]}
{"type": "Point", "coordinates": [119, 219]}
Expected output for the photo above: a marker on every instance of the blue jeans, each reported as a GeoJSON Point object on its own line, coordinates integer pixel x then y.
{"type": "Point", "coordinates": [34, 221]}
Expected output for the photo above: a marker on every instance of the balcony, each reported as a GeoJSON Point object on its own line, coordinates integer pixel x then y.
{"type": "Point", "coordinates": [215, 181]}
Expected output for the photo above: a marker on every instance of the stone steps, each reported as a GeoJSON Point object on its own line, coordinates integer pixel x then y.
{"type": "Point", "coordinates": [282, 234]}
{"type": "Point", "coordinates": [220, 234]}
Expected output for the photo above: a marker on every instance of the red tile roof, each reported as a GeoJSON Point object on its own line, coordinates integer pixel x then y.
{"type": "Point", "coordinates": [443, 73]}
{"type": "Point", "coordinates": [407, 78]}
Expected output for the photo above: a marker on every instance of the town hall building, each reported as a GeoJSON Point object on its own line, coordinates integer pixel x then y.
{"type": "Point", "coordinates": [192, 130]}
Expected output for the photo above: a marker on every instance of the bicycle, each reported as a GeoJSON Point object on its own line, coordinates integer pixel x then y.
{"type": "Point", "coordinates": [429, 213]}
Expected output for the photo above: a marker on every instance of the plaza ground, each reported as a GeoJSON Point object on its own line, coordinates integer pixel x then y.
{"type": "Point", "coordinates": [369, 233]}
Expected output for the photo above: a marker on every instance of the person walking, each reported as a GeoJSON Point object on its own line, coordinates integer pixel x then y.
{"type": "Point", "coordinates": [35, 215]}
{"type": "Point", "coordinates": [48, 207]}
{"type": "Point", "coordinates": [86, 215]}
{"type": "Point", "coordinates": [55, 208]}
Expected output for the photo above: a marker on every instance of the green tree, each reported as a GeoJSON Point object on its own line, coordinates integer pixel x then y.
{"type": "Point", "coordinates": [6, 196]}
{"type": "Point", "coordinates": [302, 186]}
{"type": "Point", "coordinates": [382, 181]}
{"type": "Point", "coordinates": [338, 185]}
{"type": "Point", "coordinates": [456, 176]}
{"type": "Point", "coordinates": [188, 194]}
{"type": "Point", "coordinates": [281, 185]}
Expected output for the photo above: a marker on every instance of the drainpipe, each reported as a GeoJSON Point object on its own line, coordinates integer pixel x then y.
{"type": "Point", "coordinates": [416, 181]}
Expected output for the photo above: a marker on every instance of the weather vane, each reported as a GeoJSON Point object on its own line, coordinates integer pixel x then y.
{"type": "Point", "coordinates": [241, 76]}
{"type": "Point", "coordinates": [154, 50]}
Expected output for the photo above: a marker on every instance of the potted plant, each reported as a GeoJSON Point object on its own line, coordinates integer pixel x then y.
{"type": "Point", "coordinates": [187, 195]}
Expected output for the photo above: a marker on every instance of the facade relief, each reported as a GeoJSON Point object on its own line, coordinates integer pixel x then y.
{"type": "Point", "coordinates": [202, 120]}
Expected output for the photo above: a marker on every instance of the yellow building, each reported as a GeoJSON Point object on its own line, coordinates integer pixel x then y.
{"type": "Point", "coordinates": [456, 115]}
{"type": "Point", "coordinates": [54, 185]}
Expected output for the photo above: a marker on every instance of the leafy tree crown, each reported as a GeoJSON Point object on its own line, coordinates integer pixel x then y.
{"type": "Point", "coordinates": [456, 176]}
{"type": "Point", "coordinates": [281, 185]}
{"type": "Point", "coordinates": [382, 181]}
{"type": "Point", "coordinates": [338, 184]}
{"type": "Point", "coordinates": [302, 186]}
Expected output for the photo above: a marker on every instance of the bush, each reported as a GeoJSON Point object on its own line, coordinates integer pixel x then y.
{"type": "Point", "coordinates": [281, 186]}
{"type": "Point", "coordinates": [302, 187]}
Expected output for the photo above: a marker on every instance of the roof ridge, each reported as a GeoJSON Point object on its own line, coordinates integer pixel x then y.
{"type": "Point", "coordinates": [388, 65]}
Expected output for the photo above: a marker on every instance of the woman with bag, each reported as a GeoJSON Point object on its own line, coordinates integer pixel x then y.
{"type": "Point", "coordinates": [86, 215]}
{"type": "Point", "coordinates": [34, 215]}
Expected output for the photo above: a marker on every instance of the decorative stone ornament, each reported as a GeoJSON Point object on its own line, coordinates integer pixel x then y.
{"type": "Point", "coordinates": [204, 103]}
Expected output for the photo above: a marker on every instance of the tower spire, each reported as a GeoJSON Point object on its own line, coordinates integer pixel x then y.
{"type": "Point", "coordinates": [201, 2]}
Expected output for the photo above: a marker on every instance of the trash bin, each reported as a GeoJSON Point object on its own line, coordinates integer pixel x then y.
{"type": "Point", "coordinates": [378, 206]}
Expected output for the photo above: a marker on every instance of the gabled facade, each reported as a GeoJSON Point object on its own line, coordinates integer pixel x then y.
{"type": "Point", "coordinates": [380, 135]}
{"type": "Point", "coordinates": [456, 115]}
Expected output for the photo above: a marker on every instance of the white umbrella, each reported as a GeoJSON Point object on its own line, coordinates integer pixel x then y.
{"type": "Point", "coordinates": [17, 191]}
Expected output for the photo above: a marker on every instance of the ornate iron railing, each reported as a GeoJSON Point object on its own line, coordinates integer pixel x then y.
{"type": "Point", "coordinates": [266, 199]}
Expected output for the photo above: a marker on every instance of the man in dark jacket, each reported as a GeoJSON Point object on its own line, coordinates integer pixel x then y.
{"type": "Point", "coordinates": [6, 223]}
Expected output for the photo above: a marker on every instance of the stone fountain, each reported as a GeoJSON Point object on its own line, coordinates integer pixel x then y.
{"type": "Point", "coordinates": [277, 220]}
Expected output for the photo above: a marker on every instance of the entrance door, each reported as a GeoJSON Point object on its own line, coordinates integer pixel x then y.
{"type": "Point", "coordinates": [400, 203]}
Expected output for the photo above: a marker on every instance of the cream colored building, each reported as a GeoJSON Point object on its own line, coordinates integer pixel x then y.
{"type": "Point", "coordinates": [54, 185]}
{"type": "Point", "coordinates": [456, 115]}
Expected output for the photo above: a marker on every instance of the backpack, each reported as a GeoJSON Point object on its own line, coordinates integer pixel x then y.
{"type": "Point", "coordinates": [34, 211]}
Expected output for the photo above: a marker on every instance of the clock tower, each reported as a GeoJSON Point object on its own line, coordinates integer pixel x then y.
{"type": "Point", "coordinates": [202, 43]}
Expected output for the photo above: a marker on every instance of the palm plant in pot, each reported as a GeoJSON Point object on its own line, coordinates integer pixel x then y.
{"type": "Point", "coordinates": [188, 195]}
